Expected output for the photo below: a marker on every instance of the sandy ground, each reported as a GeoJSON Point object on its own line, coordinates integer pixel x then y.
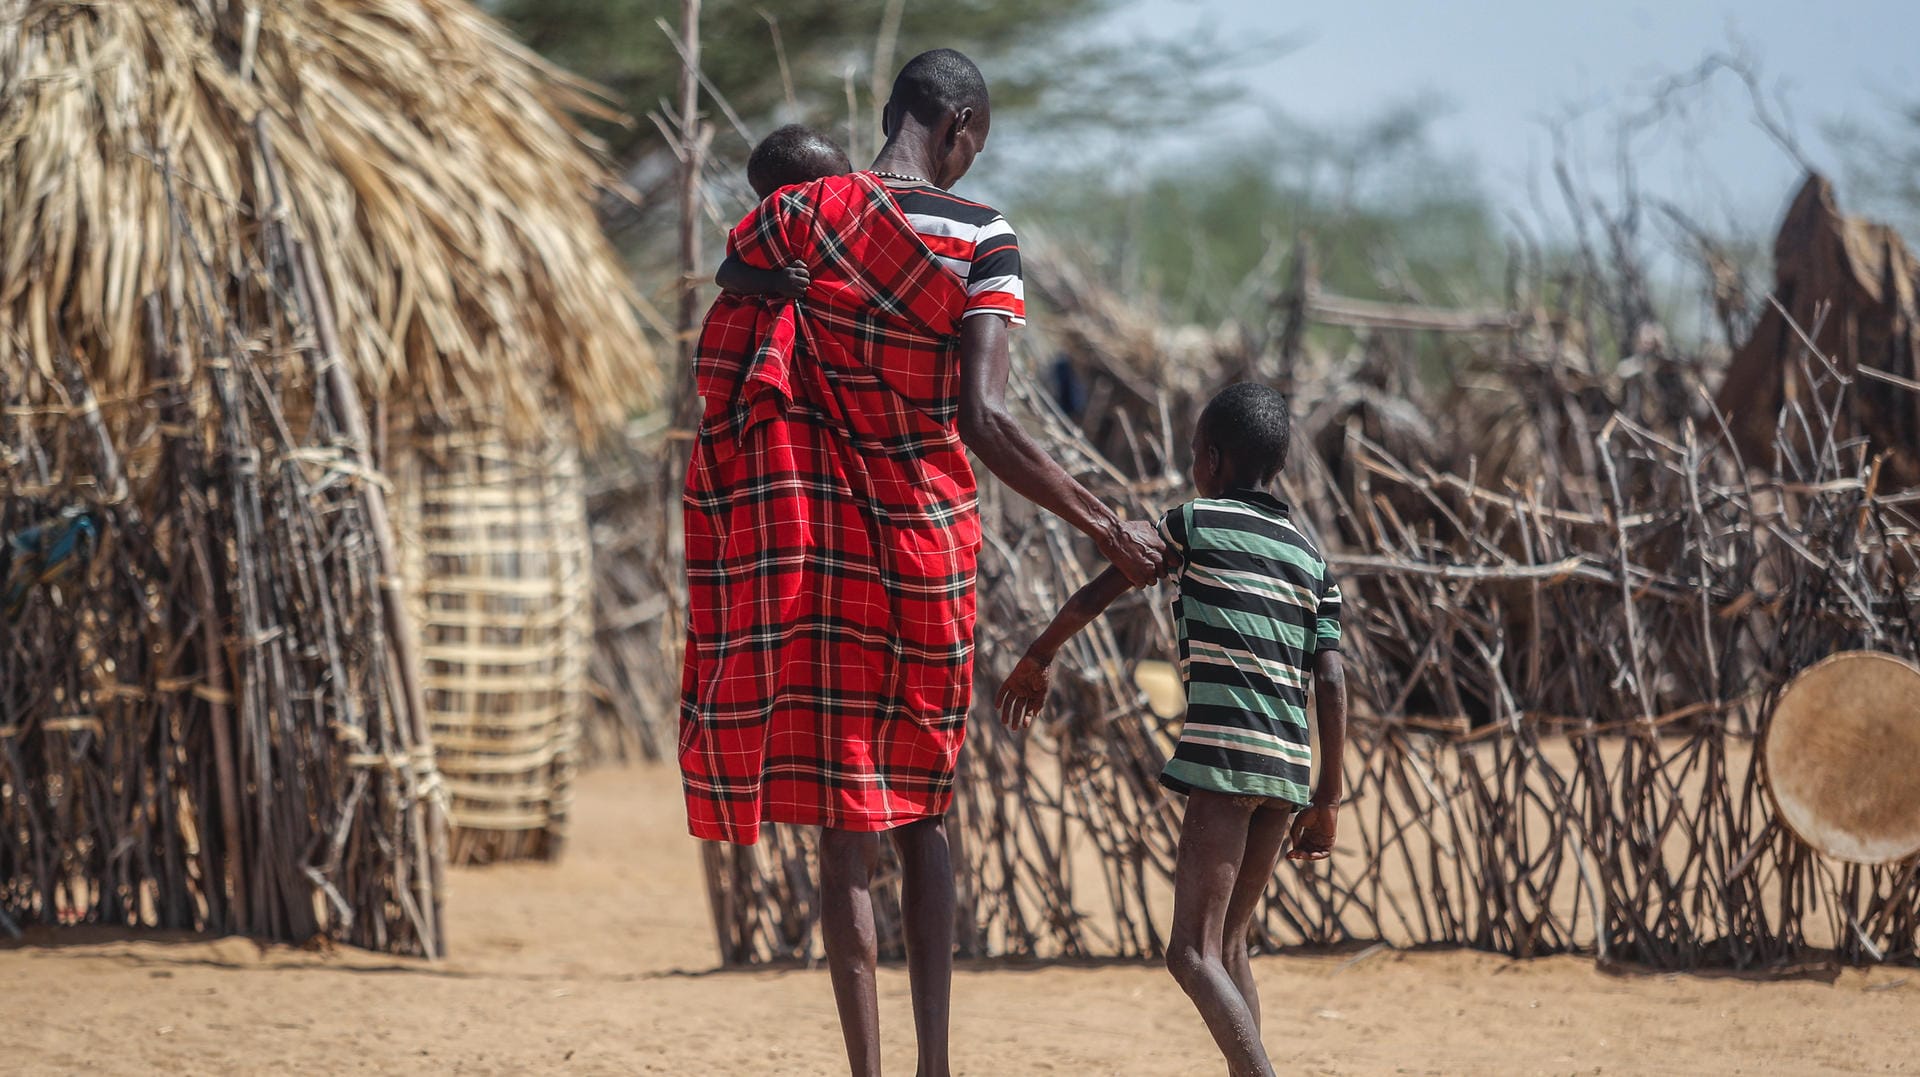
{"type": "Point", "coordinates": [602, 964]}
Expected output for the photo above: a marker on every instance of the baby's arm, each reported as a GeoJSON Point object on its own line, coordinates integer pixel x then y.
{"type": "Point", "coordinates": [1025, 692]}
{"type": "Point", "coordinates": [1313, 829]}
{"type": "Point", "coordinates": [740, 278]}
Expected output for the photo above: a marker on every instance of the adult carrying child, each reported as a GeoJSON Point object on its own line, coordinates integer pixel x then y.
{"type": "Point", "coordinates": [832, 528]}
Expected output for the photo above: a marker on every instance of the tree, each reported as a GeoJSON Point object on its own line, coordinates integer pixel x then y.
{"type": "Point", "coordinates": [801, 62]}
{"type": "Point", "coordinates": [828, 63]}
{"type": "Point", "coordinates": [1389, 218]}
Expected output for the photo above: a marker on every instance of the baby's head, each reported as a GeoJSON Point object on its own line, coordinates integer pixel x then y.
{"type": "Point", "coordinates": [1241, 439]}
{"type": "Point", "coordinates": [794, 154]}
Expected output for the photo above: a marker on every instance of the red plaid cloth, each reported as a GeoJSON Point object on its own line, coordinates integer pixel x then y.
{"type": "Point", "coordinates": [831, 530]}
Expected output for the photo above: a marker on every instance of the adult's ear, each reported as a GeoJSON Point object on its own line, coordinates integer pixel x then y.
{"type": "Point", "coordinates": [962, 121]}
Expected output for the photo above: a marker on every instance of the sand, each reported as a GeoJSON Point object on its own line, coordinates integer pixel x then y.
{"type": "Point", "coordinates": [604, 964]}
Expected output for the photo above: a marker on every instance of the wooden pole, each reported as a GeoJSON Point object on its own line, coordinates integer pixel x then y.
{"type": "Point", "coordinates": [393, 600]}
{"type": "Point", "coordinates": [692, 154]}
{"type": "Point", "coordinates": [170, 365]}
{"type": "Point", "coordinates": [693, 145]}
{"type": "Point", "coordinates": [1293, 309]}
{"type": "Point", "coordinates": [332, 368]}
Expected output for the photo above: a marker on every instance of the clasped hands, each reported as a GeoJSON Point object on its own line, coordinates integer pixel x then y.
{"type": "Point", "coordinates": [1137, 550]}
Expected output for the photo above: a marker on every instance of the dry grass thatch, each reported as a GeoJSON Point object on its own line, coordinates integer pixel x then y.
{"type": "Point", "coordinates": [223, 226]}
{"type": "Point", "coordinates": [428, 154]}
{"type": "Point", "coordinates": [210, 711]}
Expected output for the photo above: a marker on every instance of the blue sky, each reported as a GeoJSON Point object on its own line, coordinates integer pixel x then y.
{"type": "Point", "coordinates": [1500, 69]}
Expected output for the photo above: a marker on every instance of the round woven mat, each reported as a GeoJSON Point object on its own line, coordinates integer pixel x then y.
{"type": "Point", "coordinates": [1843, 757]}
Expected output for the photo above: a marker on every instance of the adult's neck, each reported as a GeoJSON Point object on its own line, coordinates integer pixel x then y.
{"type": "Point", "coordinates": [908, 153]}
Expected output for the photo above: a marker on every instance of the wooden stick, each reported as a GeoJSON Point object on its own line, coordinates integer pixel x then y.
{"type": "Point", "coordinates": [330, 368]}
{"type": "Point", "coordinates": [692, 146]}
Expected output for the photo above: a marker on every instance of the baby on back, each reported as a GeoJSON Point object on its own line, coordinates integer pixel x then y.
{"type": "Point", "coordinates": [791, 155]}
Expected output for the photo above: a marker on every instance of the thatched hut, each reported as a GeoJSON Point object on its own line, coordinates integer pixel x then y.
{"type": "Point", "coordinates": [1848, 294]}
{"type": "Point", "coordinates": [259, 261]}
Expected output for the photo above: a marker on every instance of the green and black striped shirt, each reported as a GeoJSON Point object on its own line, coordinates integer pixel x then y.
{"type": "Point", "coordinates": [1255, 603]}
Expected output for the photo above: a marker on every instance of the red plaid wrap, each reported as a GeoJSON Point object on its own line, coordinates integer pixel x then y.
{"type": "Point", "coordinates": [831, 530]}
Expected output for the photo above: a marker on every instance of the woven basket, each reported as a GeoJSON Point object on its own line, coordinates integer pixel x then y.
{"type": "Point", "coordinates": [497, 562]}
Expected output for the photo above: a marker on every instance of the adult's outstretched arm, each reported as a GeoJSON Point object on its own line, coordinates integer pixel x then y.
{"type": "Point", "coordinates": [1003, 445]}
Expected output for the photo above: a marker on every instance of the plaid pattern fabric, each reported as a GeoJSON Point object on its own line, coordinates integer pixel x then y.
{"type": "Point", "coordinates": [831, 530]}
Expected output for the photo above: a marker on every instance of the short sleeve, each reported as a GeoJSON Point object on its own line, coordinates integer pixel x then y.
{"type": "Point", "coordinates": [994, 282]}
{"type": "Point", "coordinates": [1326, 630]}
{"type": "Point", "coordinates": [1173, 530]}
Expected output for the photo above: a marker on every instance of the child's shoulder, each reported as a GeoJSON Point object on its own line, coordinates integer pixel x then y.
{"type": "Point", "coordinates": [1260, 516]}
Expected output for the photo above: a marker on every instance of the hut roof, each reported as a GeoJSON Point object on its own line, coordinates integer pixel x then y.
{"type": "Point", "coordinates": [429, 162]}
{"type": "Point", "coordinates": [1847, 286]}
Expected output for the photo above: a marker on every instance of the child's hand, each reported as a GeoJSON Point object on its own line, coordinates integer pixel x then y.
{"type": "Point", "coordinates": [794, 280]}
{"type": "Point", "coordinates": [1313, 832]}
{"type": "Point", "coordinates": [1024, 693]}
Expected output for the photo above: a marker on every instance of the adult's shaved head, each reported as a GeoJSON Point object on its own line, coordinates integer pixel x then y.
{"type": "Point", "coordinates": [936, 84]}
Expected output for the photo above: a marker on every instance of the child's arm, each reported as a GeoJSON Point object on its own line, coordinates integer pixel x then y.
{"type": "Point", "coordinates": [1313, 828]}
{"type": "Point", "coordinates": [740, 278]}
{"type": "Point", "coordinates": [1025, 692]}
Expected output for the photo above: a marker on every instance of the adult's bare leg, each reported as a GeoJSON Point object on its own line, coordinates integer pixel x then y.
{"type": "Point", "coordinates": [1213, 842]}
{"type": "Point", "coordinates": [926, 870]}
{"type": "Point", "coordinates": [847, 861]}
{"type": "Point", "coordinates": [1266, 833]}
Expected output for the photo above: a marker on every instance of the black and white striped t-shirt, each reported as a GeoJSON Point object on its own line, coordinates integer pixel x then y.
{"type": "Point", "coordinates": [973, 241]}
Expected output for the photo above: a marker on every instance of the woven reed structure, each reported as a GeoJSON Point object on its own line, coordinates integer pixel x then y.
{"type": "Point", "coordinates": [495, 535]}
{"type": "Point", "coordinates": [241, 243]}
{"type": "Point", "coordinates": [1572, 605]}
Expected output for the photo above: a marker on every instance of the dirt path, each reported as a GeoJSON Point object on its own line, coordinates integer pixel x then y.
{"type": "Point", "coordinates": [601, 965]}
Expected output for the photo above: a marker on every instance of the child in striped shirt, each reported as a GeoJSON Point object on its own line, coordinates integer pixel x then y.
{"type": "Point", "coordinates": [1258, 616]}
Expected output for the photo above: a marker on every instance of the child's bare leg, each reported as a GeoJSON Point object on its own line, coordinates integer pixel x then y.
{"type": "Point", "coordinates": [1213, 843]}
{"type": "Point", "coordinates": [847, 861]}
{"type": "Point", "coordinates": [926, 875]}
{"type": "Point", "coordinates": [1266, 833]}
